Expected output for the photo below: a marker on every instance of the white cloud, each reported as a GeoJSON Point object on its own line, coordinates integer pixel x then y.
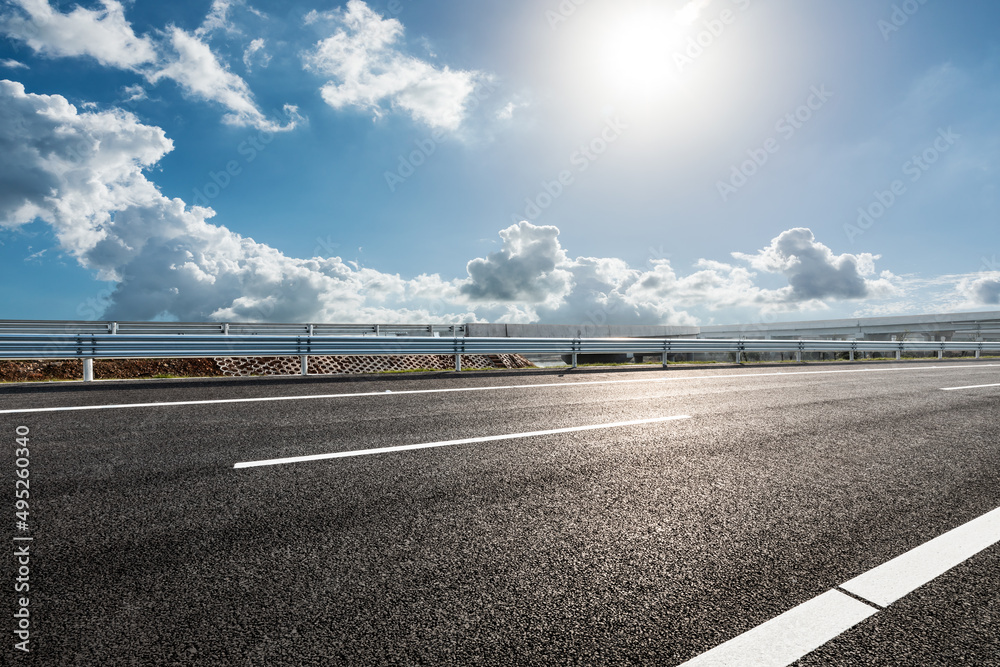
{"type": "Point", "coordinates": [73, 170]}
{"type": "Point", "coordinates": [814, 272]}
{"type": "Point", "coordinates": [507, 111]}
{"type": "Point", "coordinates": [369, 70]}
{"type": "Point", "coordinates": [982, 290]}
{"type": "Point", "coordinates": [135, 93]}
{"type": "Point", "coordinates": [218, 18]}
{"type": "Point", "coordinates": [532, 278]}
{"type": "Point", "coordinates": [104, 35]}
{"type": "Point", "coordinates": [527, 269]}
{"type": "Point", "coordinates": [197, 70]}
{"type": "Point", "coordinates": [84, 173]}
{"type": "Point", "coordinates": [713, 285]}
{"type": "Point", "coordinates": [108, 37]}
{"type": "Point", "coordinates": [315, 16]}
{"type": "Point", "coordinates": [255, 53]}
{"type": "Point", "coordinates": [10, 63]}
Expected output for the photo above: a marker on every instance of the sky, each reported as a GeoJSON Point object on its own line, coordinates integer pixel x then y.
{"type": "Point", "coordinates": [673, 162]}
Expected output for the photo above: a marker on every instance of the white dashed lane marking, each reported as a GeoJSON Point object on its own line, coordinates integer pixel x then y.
{"type": "Point", "coordinates": [447, 443]}
{"type": "Point", "coordinates": [975, 386]}
{"type": "Point", "coordinates": [906, 573]}
{"type": "Point", "coordinates": [786, 638]}
{"type": "Point", "coordinates": [802, 629]}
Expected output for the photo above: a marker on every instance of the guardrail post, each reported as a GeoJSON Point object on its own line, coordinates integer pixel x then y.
{"type": "Point", "coordinates": [798, 353]}
{"type": "Point", "coordinates": [458, 355]}
{"type": "Point", "coordinates": [88, 370]}
{"type": "Point", "coordinates": [666, 349]}
{"type": "Point", "coordinates": [304, 359]}
{"type": "Point", "coordinates": [979, 348]}
{"type": "Point", "coordinates": [941, 351]}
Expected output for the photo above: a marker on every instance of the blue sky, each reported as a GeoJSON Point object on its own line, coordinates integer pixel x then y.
{"type": "Point", "coordinates": [576, 162]}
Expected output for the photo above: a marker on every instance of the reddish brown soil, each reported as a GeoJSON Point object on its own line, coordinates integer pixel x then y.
{"type": "Point", "coordinates": [124, 369]}
{"type": "Point", "coordinates": [72, 369]}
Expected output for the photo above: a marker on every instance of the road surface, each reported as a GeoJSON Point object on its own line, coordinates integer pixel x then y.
{"type": "Point", "coordinates": [546, 517]}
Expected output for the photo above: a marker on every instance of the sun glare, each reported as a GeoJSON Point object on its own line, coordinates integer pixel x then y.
{"type": "Point", "coordinates": [635, 55]}
{"type": "Point", "coordinates": [690, 12]}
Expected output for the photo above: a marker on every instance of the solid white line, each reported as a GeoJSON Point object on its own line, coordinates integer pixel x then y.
{"type": "Point", "coordinates": [446, 443]}
{"type": "Point", "coordinates": [222, 401]}
{"type": "Point", "coordinates": [975, 386]}
{"type": "Point", "coordinates": [902, 575]}
{"type": "Point", "coordinates": [786, 638]}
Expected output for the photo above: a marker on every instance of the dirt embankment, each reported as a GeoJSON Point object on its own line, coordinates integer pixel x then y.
{"type": "Point", "coordinates": [104, 369]}
{"type": "Point", "coordinates": [127, 369]}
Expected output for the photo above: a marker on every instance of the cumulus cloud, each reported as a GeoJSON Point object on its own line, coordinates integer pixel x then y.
{"type": "Point", "coordinates": [713, 285]}
{"type": "Point", "coordinates": [85, 174]}
{"type": "Point", "coordinates": [369, 70]}
{"type": "Point", "coordinates": [532, 277]}
{"type": "Point", "coordinates": [983, 290]}
{"type": "Point", "coordinates": [603, 292]}
{"type": "Point", "coordinates": [10, 63]}
{"type": "Point", "coordinates": [68, 168]}
{"type": "Point", "coordinates": [814, 272]}
{"type": "Point", "coordinates": [108, 37]}
{"type": "Point", "coordinates": [102, 34]}
{"type": "Point", "coordinates": [528, 268]}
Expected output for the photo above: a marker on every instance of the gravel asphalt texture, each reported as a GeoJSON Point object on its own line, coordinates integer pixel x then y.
{"type": "Point", "coordinates": [646, 544]}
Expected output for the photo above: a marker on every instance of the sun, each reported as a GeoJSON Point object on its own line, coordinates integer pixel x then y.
{"type": "Point", "coordinates": [635, 51]}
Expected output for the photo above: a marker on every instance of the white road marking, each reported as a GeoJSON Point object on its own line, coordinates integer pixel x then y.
{"type": "Point", "coordinates": [786, 638]}
{"type": "Point", "coordinates": [311, 397]}
{"type": "Point", "coordinates": [975, 386]}
{"type": "Point", "coordinates": [800, 630]}
{"type": "Point", "coordinates": [904, 574]}
{"type": "Point", "coordinates": [447, 443]}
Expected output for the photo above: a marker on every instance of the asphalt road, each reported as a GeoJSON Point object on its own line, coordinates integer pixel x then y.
{"type": "Point", "coordinates": [647, 543]}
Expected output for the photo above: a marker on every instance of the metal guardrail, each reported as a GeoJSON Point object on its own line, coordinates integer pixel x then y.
{"type": "Point", "coordinates": [112, 346]}
{"type": "Point", "coordinates": [70, 328]}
